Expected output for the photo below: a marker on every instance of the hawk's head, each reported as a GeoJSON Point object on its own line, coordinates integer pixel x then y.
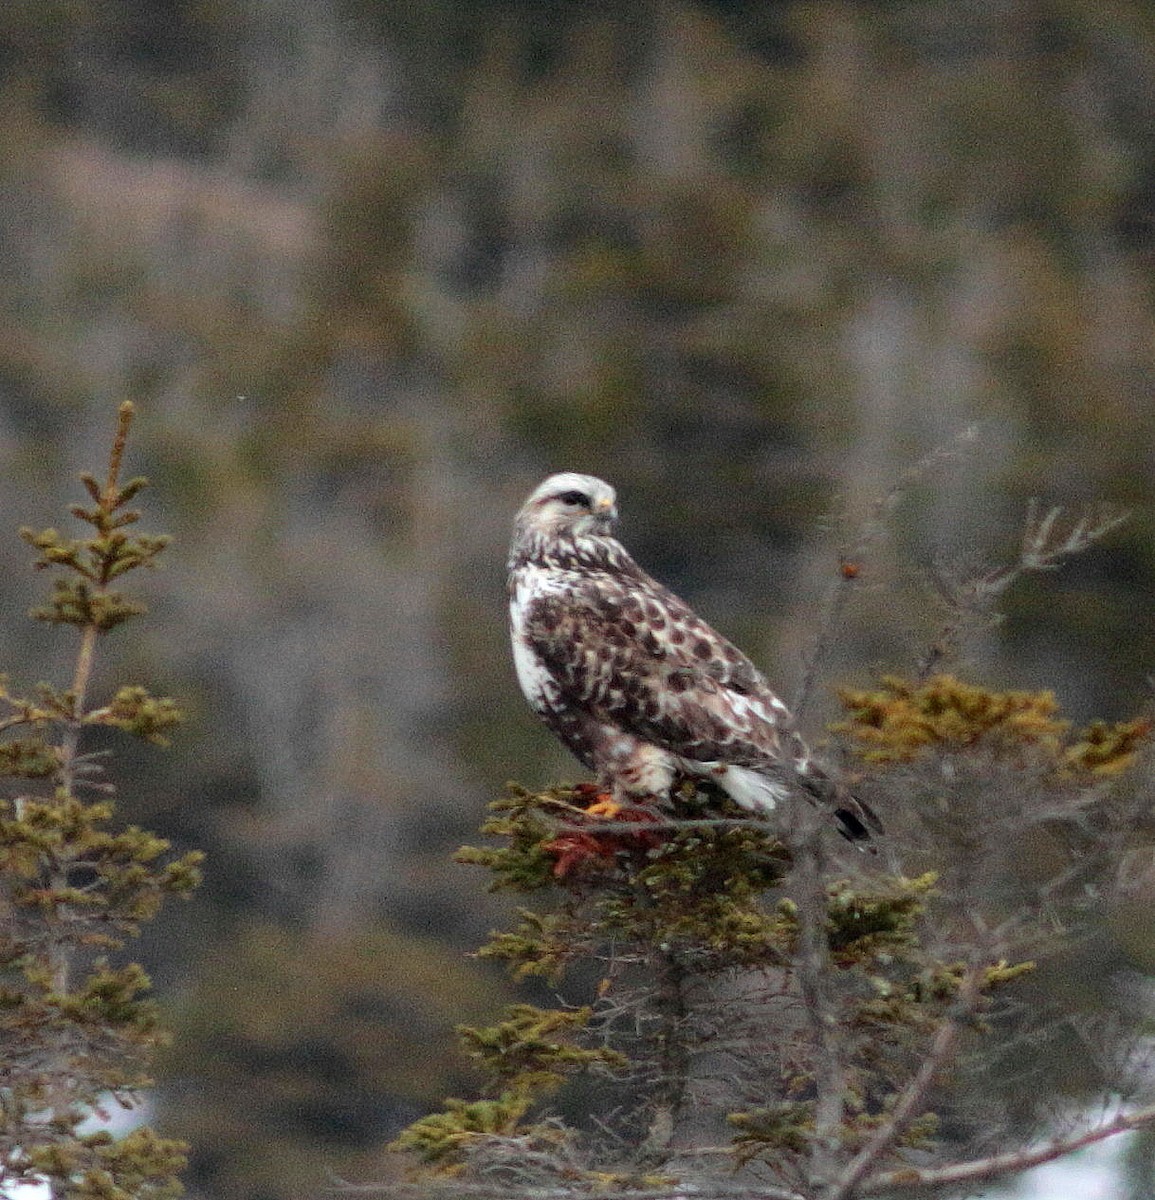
{"type": "Point", "coordinates": [567, 507]}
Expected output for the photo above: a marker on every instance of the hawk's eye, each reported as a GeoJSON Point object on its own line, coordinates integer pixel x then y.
{"type": "Point", "coordinates": [576, 499]}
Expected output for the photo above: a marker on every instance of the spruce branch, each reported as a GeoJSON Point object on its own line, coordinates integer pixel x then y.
{"type": "Point", "coordinates": [79, 1030]}
{"type": "Point", "coordinates": [903, 1179]}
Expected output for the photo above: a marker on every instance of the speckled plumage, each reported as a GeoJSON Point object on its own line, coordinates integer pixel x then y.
{"type": "Point", "coordinates": [637, 685]}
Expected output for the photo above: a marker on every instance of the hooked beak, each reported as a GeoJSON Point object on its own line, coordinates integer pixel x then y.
{"type": "Point", "coordinates": [605, 514]}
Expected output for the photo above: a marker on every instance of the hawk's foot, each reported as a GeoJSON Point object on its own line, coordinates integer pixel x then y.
{"type": "Point", "coordinates": [578, 852]}
{"type": "Point", "coordinates": [603, 806]}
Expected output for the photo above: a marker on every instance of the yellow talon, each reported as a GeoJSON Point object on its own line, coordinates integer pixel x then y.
{"type": "Point", "coordinates": [605, 807]}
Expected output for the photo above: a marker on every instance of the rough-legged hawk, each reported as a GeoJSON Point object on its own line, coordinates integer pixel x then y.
{"type": "Point", "coordinates": [632, 681]}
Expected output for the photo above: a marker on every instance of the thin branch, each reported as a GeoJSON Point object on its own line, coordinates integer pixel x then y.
{"type": "Point", "coordinates": [425, 1190]}
{"type": "Point", "coordinates": [667, 824]}
{"type": "Point", "coordinates": [972, 600]}
{"type": "Point", "coordinates": [851, 556]}
{"type": "Point", "coordinates": [673, 1058]}
{"type": "Point", "coordinates": [1042, 551]}
{"type": "Point", "coordinates": [904, 1178]}
{"type": "Point", "coordinates": [912, 1101]}
{"type": "Point", "coordinates": [814, 973]}
{"type": "Point", "coordinates": [1010, 1163]}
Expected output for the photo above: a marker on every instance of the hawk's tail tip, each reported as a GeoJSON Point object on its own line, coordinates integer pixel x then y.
{"type": "Point", "coordinates": [857, 821]}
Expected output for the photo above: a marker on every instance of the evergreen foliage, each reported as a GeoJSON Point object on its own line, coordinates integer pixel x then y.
{"type": "Point", "coordinates": [900, 719]}
{"type": "Point", "coordinates": [77, 1028]}
{"type": "Point", "coordinates": [696, 939]}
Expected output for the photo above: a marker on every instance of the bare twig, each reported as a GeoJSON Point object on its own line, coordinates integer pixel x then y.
{"type": "Point", "coordinates": [912, 1100]}
{"type": "Point", "coordinates": [1010, 1163]}
{"type": "Point", "coordinates": [852, 554]}
{"type": "Point", "coordinates": [971, 600]}
{"type": "Point", "coordinates": [1043, 551]}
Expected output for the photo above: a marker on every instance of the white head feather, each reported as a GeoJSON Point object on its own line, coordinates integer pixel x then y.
{"type": "Point", "coordinates": [566, 508]}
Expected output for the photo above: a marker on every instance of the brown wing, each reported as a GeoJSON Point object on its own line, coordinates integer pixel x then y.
{"type": "Point", "coordinates": [623, 647]}
{"type": "Point", "coordinates": [625, 651]}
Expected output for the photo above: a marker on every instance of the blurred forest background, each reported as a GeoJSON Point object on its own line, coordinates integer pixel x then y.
{"type": "Point", "coordinates": [371, 268]}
